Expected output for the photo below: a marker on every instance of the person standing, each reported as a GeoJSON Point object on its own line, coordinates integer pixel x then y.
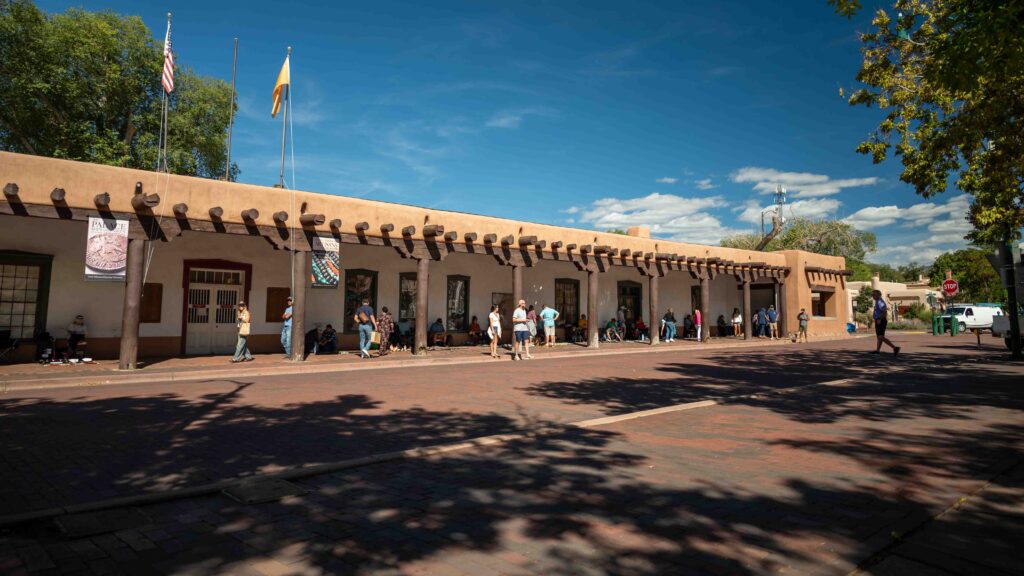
{"type": "Point", "coordinates": [698, 320]}
{"type": "Point", "coordinates": [802, 318]}
{"type": "Point", "coordinates": [549, 316]}
{"type": "Point", "coordinates": [773, 322]}
{"type": "Point", "coordinates": [385, 326]}
{"type": "Point", "coordinates": [737, 322]}
{"type": "Point", "coordinates": [367, 322]}
{"type": "Point", "coordinates": [521, 331]}
{"type": "Point", "coordinates": [494, 329]}
{"type": "Point", "coordinates": [531, 317]}
{"type": "Point", "coordinates": [243, 318]}
{"type": "Point", "coordinates": [670, 325]}
{"type": "Point", "coordinates": [286, 330]}
{"type": "Point", "coordinates": [762, 322]}
{"type": "Point", "coordinates": [881, 317]}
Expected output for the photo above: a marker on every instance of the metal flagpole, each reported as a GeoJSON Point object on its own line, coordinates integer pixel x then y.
{"type": "Point", "coordinates": [284, 119]}
{"type": "Point", "coordinates": [231, 112]}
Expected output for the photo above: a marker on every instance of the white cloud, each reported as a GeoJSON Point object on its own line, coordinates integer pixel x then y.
{"type": "Point", "coordinates": [512, 119]}
{"type": "Point", "coordinates": [953, 211]}
{"type": "Point", "coordinates": [814, 209]}
{"type": "Point", "coordinates": [668, 215]}
{"type": "Point", "coordinates": [571, 210]}
{"type": "Point", "coordinates": [667, 180]}
{"type": "Point", "coordinates": [705, 184]}
{"type": "Point", "coordinates": [799, 184]}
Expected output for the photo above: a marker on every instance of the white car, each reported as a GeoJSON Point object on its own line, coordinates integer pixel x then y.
{"type": "Point", "coordinates": [973, 316]}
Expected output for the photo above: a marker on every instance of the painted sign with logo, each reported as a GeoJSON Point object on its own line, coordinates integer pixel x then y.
{"type": "Point", "coordinates": [106, 249]}
{"type": "Point", "coordinates": [326, 262]}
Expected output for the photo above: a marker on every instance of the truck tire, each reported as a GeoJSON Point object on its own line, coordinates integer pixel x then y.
{"type": "Point", "coordinates": [963, 327]}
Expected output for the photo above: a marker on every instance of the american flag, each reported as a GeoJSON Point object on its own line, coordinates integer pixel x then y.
{"type": "Point", "coordinates": [168, 78]}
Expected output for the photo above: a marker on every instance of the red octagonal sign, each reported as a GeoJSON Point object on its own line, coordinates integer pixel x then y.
{"type": "Point", "coordinates": [950, 287]}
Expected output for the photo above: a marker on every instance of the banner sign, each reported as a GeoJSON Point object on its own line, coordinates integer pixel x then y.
{"type": "Point", "coordinates": [326, 262]}
{"type": "Point", "coordinates": [106, 249]}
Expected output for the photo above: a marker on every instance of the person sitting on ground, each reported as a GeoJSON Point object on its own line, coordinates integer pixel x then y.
{"type": "Point", "coordinates": [689, 328]}
{"type": "Point", "coordinates": [611, 331]}
{"type": "Point", "coordinates": [641, 329]}
{"type": "Point", "coordinates": [476, 335]}
{"type": "Point", "coordinates": [76, 334]}
{"type": "Point", "coordinates": [311, 340]}
{"type": "Point", "coordinates": [438, 333]}
{"type": "Point", "coordinates": [328, 341]}
{"type": "Point", "coordinates": [723, 329]}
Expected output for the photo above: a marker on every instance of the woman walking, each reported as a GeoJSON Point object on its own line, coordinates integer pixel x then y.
{"type": "Point", "coordinates": [494, 329]}
{"type": "Point", "coordinates": [242, 353]}
{"type": "Point", "coordinates": [385, 326]}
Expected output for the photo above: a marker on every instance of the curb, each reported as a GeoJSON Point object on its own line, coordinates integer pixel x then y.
{"type": "Point", "coordinates": [141, 377]}
{"type": "Point", "coordinates": [302, 472]}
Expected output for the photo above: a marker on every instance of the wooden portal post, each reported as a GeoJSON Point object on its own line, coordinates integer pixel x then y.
{"type": "Point", "coordinates": [129, 354]}
{"type": "Point", "coordinates": [593, 325]}
{"type": "Point", "coordinates": [654, 325]}
{"type": "Point", "coordinates": [705, 313]}
{"type": "Point", "coordinates": [300, 278]}
{"type": "Point", "coordinates": [748, 326]}
{"type": "Point", "coordinates": [517, 285]}
{"type": "Point", "coordinates": [422, 294]}
{"type": "Point", "coordinates": [780, 309]}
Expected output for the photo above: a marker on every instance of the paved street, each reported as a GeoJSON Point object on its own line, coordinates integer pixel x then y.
{"type": "Point", "coordinates": [845, 464]}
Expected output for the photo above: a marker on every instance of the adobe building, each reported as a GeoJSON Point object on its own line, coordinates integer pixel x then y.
{"type": "Point", "coordinates": [196, 247]}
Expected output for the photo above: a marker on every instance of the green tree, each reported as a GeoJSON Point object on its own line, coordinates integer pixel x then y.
{"type": "Point", "coordinates": [971, 269]}
{"type": "Point", "coordinates": [949, 76]}
{"type": "Point", "coordinates": [831, 237]}
{"type": "Point", "coordinates": [616, 231]}
{"type": "Point", "coordinates": [86, 86]}
{"type": "Point", "coordinates": [863, 299]}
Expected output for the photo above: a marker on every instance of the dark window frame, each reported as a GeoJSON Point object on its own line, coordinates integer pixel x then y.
{"type": "Point", "coordinates": [349, 326]}
{"type": "Point", "coordinates": [576, 288]}
{"type": "Point", "coordinates": [402, 276]}
{"type": "Point", "coordinates": [45, 264]}
{"type": "Point", "coordinates": [465, 304]}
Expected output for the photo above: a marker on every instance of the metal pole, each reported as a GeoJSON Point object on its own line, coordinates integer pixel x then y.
{"type": "Point", "coordinates": [284, 117]}
{"type": "Point", "coordinates": [231, 111]}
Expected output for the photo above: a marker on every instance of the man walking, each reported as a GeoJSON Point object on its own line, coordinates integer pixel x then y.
{"type": "Point", "coordinates": [521, 332]}
{"type": "Point", "coordinates": [881, 317]}
{"type": "Point", "coordinates": [367, 322]}
{"type": "Point", "coordinates": [286, 331]}
{"type": "Point", "coordinates": [698, 321]}
{"type": "Point", "coordinates": [549, 316]}
{"type": "Point", "coordinates": [803, 318]}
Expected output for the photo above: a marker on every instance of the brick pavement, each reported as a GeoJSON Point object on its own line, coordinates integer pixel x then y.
{"type": "Point", "coordinates": [810, 481]}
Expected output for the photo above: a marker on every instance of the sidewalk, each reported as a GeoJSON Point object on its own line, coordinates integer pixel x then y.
{"type": "Point", "coordinates": [16, 377]}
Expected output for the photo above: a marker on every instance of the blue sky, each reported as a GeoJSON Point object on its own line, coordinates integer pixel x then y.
{"type": "Point", "coordinates": [678, 115]}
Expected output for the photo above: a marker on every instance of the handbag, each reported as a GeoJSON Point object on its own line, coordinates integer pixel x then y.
{"type": "Point", "coordinates": [532, 326]}
{"type": "Point", "coordinates": [244, 328]}
{"type": "Point", "coordinates": [375, 338]}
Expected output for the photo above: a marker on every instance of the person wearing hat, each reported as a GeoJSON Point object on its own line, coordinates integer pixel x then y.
{"type": "Point", "coordinates": [286, 331]}
{"type": "Point", "coordinates": [76, 334]}
{"type": "Point", "coordinates": [242, 353]}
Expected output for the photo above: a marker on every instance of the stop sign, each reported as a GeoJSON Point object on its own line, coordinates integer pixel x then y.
{"type": "Point", "coordinates": [950, 287]}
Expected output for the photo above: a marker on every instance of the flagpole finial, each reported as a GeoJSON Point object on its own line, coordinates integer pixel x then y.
{"type": "Point", "coordinates": [289, 49]}
{"type": "Point", "coordinates": [168, 16]}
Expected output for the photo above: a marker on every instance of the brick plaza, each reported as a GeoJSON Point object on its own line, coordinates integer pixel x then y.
{"type": "Point", "coordinates": [818, 459]}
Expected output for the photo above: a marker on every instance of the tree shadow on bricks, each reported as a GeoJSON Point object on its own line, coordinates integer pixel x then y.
{"type": "Point", "coordinates": [574, 502]}
{"type": "Point", "coordinates": [880, 387]}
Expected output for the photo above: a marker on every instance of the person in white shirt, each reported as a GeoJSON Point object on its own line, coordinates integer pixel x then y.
{"type": "Point", "coordinates": [737, 322]}
{"type": "Point", "coordinates": [76, 334]}
{"type": "Point", "coordinates": [521, 331]}
{"type": "Point", "coordinates": [494, 329]}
